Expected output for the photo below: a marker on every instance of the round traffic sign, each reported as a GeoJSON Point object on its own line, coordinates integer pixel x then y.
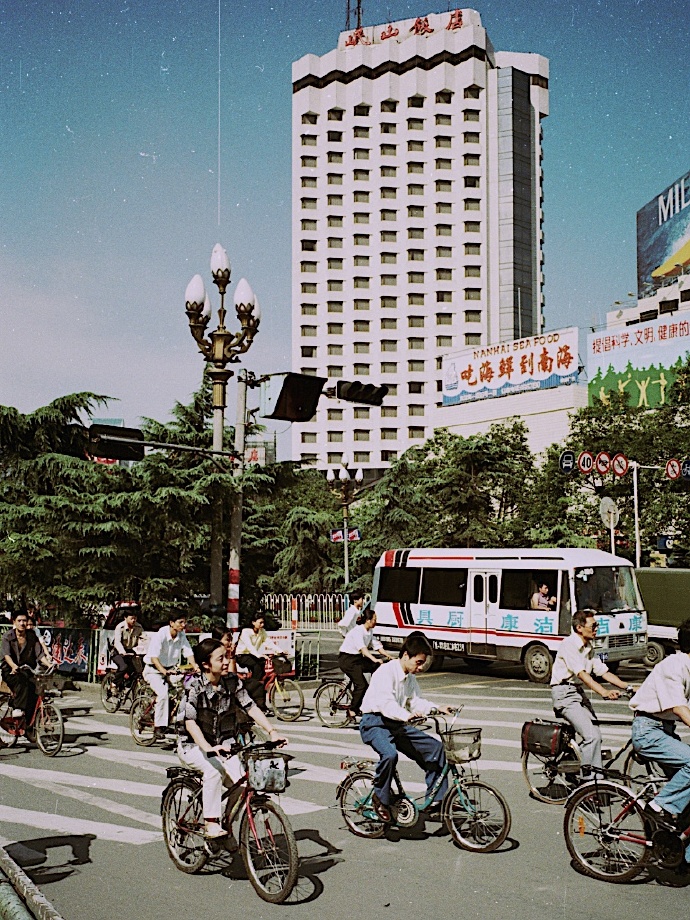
{"type": "Point", "coordinates": [685, 469]}
{"type": "Point", "coordinates": [608, 511]}
{"type": "Point", "coordinates": [602, 463]}
{"type": "Point", "coordinates": [620, 465]}
{"type": "Point", "coordinates": [673, 469]}
{"type": "Point", "coordinates": [566, 461]}
{"type": "Point", "coordinates": [585, 462]}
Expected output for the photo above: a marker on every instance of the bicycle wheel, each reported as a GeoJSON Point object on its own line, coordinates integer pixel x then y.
{"type": "Point", "coordinates": [49, 728]}
{"type": "Point", "coordinates": [477, 816]}
{"type": "Point", "coordinates": [183, 825]}
{"type": "Point", "coordinates": [110, 693]}
{"type": "Point", "coordinates": [641, 770]}
{"type": "Point", "coordinates": [269, 850]}
{"type": "Point", "coordinates": [141, 722]}
{"type": "Point", "coordinates": [354, 796]}
{"type": "Point", "coordinates": [287, 699]}
{"type": "Point", "coordinates": [604, 831]}
{"type": "Point", "coordinates": [8, 725]}
{"type": "Point", "coordinates": [331, 702]}
{"type": "Point", "coordinates": [551, 779]}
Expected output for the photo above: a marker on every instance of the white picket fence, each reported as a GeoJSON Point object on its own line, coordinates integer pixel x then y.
{"type": "Point", "coordinates": [311, 611]}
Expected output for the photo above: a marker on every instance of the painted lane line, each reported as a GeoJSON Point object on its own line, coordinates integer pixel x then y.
{"type": "Point", "coordinates": [36, 776]}
{"type": "Point", "coordinates": [52, 822]}
{"type": "Point", "coordinates": [96, 801]}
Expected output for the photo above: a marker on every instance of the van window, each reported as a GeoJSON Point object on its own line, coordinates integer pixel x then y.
{"type": "Point", "coordinates": [479, 588]}
{"type": "Point", "coordinates": [516, 589]}
{"type": "Point", "coordinates": [446, 587]}
{"type": "Point", "coordinates": [398, 585]}
{"type": "Point", "coordinates": [493, 589]}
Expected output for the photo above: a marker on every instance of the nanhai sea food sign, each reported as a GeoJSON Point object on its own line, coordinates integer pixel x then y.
{"type": "Point", "coordinates": [536, 362]}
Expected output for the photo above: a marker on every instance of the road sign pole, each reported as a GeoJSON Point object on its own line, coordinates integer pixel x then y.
{"type": "Point", "coordinates": [613, 537]}
{"type": "Point", "coordinates": [346, 541]}
{"type": "Point", "coordinates": [636, 505]}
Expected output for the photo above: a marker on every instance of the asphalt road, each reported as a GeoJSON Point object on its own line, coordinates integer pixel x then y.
{"type": "Point", "coordinates": [86, 827]}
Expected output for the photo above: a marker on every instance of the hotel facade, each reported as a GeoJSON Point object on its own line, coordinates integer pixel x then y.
{"type": "Point", "coordinates": [417, 221]}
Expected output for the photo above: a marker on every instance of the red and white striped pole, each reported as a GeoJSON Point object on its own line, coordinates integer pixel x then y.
{"type": "Point", "coordinates": [233, 609]}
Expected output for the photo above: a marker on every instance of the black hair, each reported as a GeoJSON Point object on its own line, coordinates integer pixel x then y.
{"type": "Point", "coordinates": [684, 636]}
{"type": "Point", "coordinates": [204, 649]}
{"type": "Point", "coordinates": [416, 644]}
{"type": "Point", "coordinates": [356, 595]}
{"type": "Point", "coordinates": [220, 632]}
{"type": "Point", "coordinates": [580, 617]}
{"type": "Point", "coordinates": [176, 615]}
{"type": "Point", "coordinates": [366, 613]}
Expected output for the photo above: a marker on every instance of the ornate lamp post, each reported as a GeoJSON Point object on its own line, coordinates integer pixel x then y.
{"type": "Point", "coordinates": [220, 348]}
{"type": "Point", "coordinates": [348, 491]}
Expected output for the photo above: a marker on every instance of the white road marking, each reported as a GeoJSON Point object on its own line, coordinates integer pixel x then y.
{"type": "Point", "coordinates": [36, 777]}
{"type": "Point", "coordinates": [52, 822]}
{"type": "Point", "coordinates": [96, 801]}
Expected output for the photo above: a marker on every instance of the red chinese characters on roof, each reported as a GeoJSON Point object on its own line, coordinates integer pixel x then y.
{"type": "Point", "coordinates": [421, 26]}
{"type": "Point", "coordinates": [389, 32]}
{"type": "Point", "coordinates": [455, 21]}
{"type": "Point", "coordinates": [357, 38]}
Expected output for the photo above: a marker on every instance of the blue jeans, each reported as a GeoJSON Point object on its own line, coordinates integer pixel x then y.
{"type": "Point", "coordinates": [387, 737]}
{"type": "Point", "coordinates": [571, 703]}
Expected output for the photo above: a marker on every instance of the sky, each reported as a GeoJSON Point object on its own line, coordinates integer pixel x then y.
{"type": "Point", "coordinates": [110, 192]}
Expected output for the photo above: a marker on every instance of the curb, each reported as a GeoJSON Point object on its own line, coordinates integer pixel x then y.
{"type": "Point", "coordinates": [20, 899]}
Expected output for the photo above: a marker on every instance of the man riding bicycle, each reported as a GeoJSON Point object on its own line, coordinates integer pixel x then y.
{"type": "Point", "coordinates": [572, 672]}
{"type": "Point", "coordinates": [21, 646]}
{"type": "Point", "coordinates": [393, 698]}
{"type": "Point", "coordinates": [162, 656]}
{"type": "Point", "coordinates": [126, 638]}
{"type": "Point", "coordinates": [361, 654]}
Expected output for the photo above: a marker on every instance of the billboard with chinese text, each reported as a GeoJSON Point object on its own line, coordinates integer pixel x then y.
{"type": "Point", "coordinates": [640, 361]}
{"type": "Point", "coordinates": [663, 236]}
{"type": "Point", "coordinates": [536, 362]}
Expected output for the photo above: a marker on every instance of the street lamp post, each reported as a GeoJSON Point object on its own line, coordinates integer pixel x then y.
{"type": "Point", "coordinates": [347, 493]}
{"type": "Point", "coordinates": [220, 348]}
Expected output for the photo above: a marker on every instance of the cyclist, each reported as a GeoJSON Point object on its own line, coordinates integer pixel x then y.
{"type": "Point", "coordinates": [361, 654]}
{"type": "Point", "coordinates": [350, 617]}
{"type": "Point", "coordinates": [126, 638]}
{"type": "Point", "coordinates": [207, 720]}
{"type": "Point", "coordinates": [21, 645]}
{"type": "Point", "coordinates": [252, 648]}
{"type": "Point", "coordinates": [162, 656]}
{"type": "Point", "coordinates": [226, 637]}
{"type": "Point", "coordinates": [572, 672]}
{"type": "Point", "coordinates": [662, 700]}
{"type": "Point", "coordinates": [393, 699]}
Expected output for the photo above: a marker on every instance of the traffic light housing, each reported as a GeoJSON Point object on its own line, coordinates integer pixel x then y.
{"type": "Point", "coordinates": [290, 397]}
{"type": "Point", "coordinates": [353, 391]}
{"type": "Point", "coordinates": [127, 443]}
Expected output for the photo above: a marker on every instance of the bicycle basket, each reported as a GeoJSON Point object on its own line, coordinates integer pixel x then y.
{"type": "Point", "coordinates": [462, 744]}
{"type": "Point", "coordinates": [281, 664]}
{"type": "Point", "coordinates": [266, 772]}
{"type": "Point", "coordinates": [545, 738]}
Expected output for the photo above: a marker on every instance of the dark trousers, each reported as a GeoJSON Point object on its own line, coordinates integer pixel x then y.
{"type": "Point", "coordinates": [254, 683]}
{"type": "Point", "coordinates": [356, 666]}
{"type": "Point", "coordinates": [23, 691]}
{"type": "Point", "coordinates": [125, 664]}
{"type": "Point", "coordinates": [387, 737]}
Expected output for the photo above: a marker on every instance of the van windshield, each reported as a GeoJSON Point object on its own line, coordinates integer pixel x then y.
{"type": "Point", "coordinates": [606, 589]}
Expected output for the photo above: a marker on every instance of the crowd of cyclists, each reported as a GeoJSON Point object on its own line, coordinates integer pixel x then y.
{"type": "Point", "coordinates": [216, 700]}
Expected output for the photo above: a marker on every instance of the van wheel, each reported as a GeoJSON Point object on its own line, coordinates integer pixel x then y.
{"type": "Point", "coordinates": [655, 653]}
{"type": "Point", "coordinates": [437, 662]}
{"type": "Point", "coordinates": [538, 664]}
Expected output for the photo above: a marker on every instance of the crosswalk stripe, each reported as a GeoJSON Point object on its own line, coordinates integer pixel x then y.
{"type": "Point", "coordinates": [54, 822]}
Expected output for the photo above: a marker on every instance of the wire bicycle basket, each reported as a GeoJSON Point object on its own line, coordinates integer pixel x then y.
{"type": "Point", "coordinates": [461, 745]}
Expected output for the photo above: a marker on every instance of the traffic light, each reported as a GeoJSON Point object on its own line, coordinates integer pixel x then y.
{"type": "Point", "coordinates": [290, 397]}
{"type": "Point", "coordinates": [115, 443]}
{"type": "Point", "coordinates": [368, 393]}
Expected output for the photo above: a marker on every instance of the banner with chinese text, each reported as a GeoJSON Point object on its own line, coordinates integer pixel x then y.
{"type": "Point", "coordinates": [536, 362]}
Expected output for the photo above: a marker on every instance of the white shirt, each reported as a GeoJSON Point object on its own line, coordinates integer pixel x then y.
{"type": "Point", "coordinates": [667, 686]}
{"type": "Point", "coordinates": [168, 650]}
{"type": "Point", "coordinates": [394, 694]}
{"type": "Point", "coordinates": [574, 656]}
{"type": "Point", "coordinates": [358, 638]}
{"type": "Point", "coordinates": [349, 619]}
{"type": "Point", "coordinates": [257, 644]}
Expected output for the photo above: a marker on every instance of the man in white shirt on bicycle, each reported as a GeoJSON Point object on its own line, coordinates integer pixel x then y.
{"type": "Point", "coordinates": [163, 655]}
{"type": "Point", "coordinates": [572, 672]}
{"type": "Point", "coordinates": [662, 701]}
{"type": "Point", "coordinates": [351, 615]}
{"type": "Point", "coordinates": [393, 698]}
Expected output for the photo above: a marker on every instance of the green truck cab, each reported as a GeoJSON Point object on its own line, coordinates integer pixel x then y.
{"type": "Point", "coordinates": [666, 597]}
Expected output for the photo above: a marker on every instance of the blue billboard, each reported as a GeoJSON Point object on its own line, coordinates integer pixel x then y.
{"type": "Point", "coordinates": [663, 237]}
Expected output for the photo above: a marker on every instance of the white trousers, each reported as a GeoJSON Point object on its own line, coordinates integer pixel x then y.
{"type": "Point", "coordinates": [160, 687]}
{"type": "Point", "coordinates": [216, 771]}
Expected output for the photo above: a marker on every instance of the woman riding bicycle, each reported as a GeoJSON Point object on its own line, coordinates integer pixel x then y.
{"type": "Point", "coordinates": [207, 721]}
{"type": "Point", "coordinates": [356, 657]}
{"type": "Point", "coordinates": [251, 651]}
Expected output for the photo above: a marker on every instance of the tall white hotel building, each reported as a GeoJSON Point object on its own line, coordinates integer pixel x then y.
{"type": "Point", "coordinates": [417, 220]}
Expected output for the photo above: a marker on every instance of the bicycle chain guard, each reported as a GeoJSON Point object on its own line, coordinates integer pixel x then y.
{"type": "Point", "coordinates": [668, 850]}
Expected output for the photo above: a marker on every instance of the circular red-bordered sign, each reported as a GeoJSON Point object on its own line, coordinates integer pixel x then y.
{"type": "Point", "coordinates": [673, 469]}
{"type": "Point", "coordinates": [620, 465]}
{"type": "Point", "coordinates": [602, 463]}
{"type": "Point", "coordinates": [585, 462]}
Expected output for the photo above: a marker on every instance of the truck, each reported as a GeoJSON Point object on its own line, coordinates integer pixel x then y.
{"type": "Point", "coordinates": [666, 596]}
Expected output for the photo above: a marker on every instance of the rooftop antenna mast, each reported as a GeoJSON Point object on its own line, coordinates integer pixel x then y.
{"type": "Point", "coordinates": [348, 23]}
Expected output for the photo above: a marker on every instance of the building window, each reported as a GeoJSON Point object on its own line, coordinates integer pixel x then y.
{"type": "Point", "coordinates": [471, 137]}
{"type": "Point", "coordinates": [389, 280]}
{"type": "Point", "coordinates": [309, 118]}
{"type": "Point", "coordinates": [309, 204]}
{"type": "Point", "coordinates": [388, 171]}
{"type": "Point", "coordinates": [388, 215]}
{"type": "Point", "coordinates": [361, 197]}
{"type": "Point", "coordinates": [334, 137]}
{"type": "Point", "coordinates": [389, 323]}
{"type": "Point", "coordinates": [335, 437]}
{"type": "Point", "coordinates": [361, 153]}
{"type": "Point", "coordinates": [388, 192]}
{"type": "Point", "coordinates": [335, 264]}
{"type": "Point", "coordinates": [473, 294]}
{"type": "Point", "coordinates": [444, 252]}
{"type": "Point", "coordinates": [362, 108]}
{"type": "Point", "coordinates": [444, 185]}
{"type": "Point", "coordinates": [471, 181]}
{"type": "Point", "coordinates": [335, 306]}
{"type": "Point", "coordinates": [334, 370]}
{"type": "Point", "coordinates": [389, 412]}
{"type": "Point", "coordinates": [415, 387]}
{"type": "Point", "coordinates": [308, 437]}
{"type": "Point", "coordinates": [444, 274]}
{"type": "Point", "coordinates": [361, 217]}
{"type": "Point", "coordinates": [415, 255]}
{"type": "Point", "coordinates": [362, 456]}
{"type": "Point", "coordinates": [472, 226]}
{"type": "Point", "coordinates": [415, 322]}
{"type": "Point", "coordinates": [335, 350]}
{"type": "Point", "coordinates": [309, 140]}
{"type": "Point", "coordinates": [361, 370]}
{"type": "Point", "coordinates": [335, 328]}
{"type": "Point", "coordinates": [442, 163]}
{"type": "Point", "coordinates": [334, 458]}
{"type": "Point", "coordinates": [308, 245]}
{"type": "Point", "coordinates": [415, 277]}
{"type": "Point", "coordinates": [389, 367]}
{"type": "Point", "coordinates": [415, 344]}
{"type": "Point", "coordinates": [443, 120]}
{"type": "Point", "coordinates": [415, 367]}
{"type": "Point", "coordinates": [473, 249]}
{"type": "Point", "coordinates": [309, 162]}
{"type": "Point", "coordinates": [361, 282]}
{"type": "Point", "coordinates": [389, 236]}
{"type": "Point", "coordinates": [415, 124]}
{"type": "Point", "coordinates": [415, 189]}
{"type": "Point", "coordinates": [389, 105]}
{"type": "Point", "coordinates": [335, 415]}
{"type": "Point", "coordinates": [308, 309]}
{"type": "Point", "coordinates": [361, 325]}
{"type": "Point", "coordinates": [308, 371]}
{"type": "Point", "coordinates": [444, 341]}
{"type": "Point", "coordinates": [444, 207]}
{"type": "Point", "coordinates": [308, 351]}
{"type": "Point", "coordinates": [443, 140]}
{"type": "Point", "coordinates": [361, 131]}
{"type": "Point", "coordinates": [360, 434]}
{"type": "Point", "coordinates": [415, 167]}
{"type": "Point", "coordinates": [415, 300]}
{"type": "Point", "coordinates": [414, 432]}
{"type": "Point", "coordinates": [335, 178]}
{"type": "Point", "coordinates": [361, 304]}
{"type": "Point", "coordinates": [473, 271]}
{"type": "Point", "coordinates": [472, 204]}
{"type": "Point", "coordinates": [389, 345]}
{"type": "Point", "coordinates": [335, 242]}
{"type": "Point", "coordinates": [444, 319]}
{"type": "Point", "coordinates": [308, 224]}
{"type": "Point", "coordinates": [361, 348]}
{"type": "Point", "coordinates": [309, 331]}
{"type": "Point", "coordinates": [444, 296]}
{"type": "Point", "coordinates": [308, 287]}
{"type": "Point", "coordinates": [308, 266]}
{"type": "Point", "coordinates": [362, 260]}
{"type": "Point", "coordinates": [472, 92]}
{"type": "Point", "coordinates": [335, 285]}
{"type": "Point", "coordinates": [470, 115]}
{"type": "Point", "coordinates": [335, 114]}
{"type": "Point", "coordinates": [444, 230]}
{"type": "Point", "coordinates": [416, 410]}
{"type": "Point", "coordinates": [473, 338]}
{"type": "Point", "coordinates": [388, 150]}
{"type": "Point", "coordinates": [334, 221]}
{"type": "Point", "coordinates": [473, 316]}
{"type": "Point", "coordinates": [389, 456]}
{"type": "Point", "coordinates": [388, 127]}
{"type": "Point", "coordinates": [335, 157]}
{"type": "Point", "coordinates": [361, 412]}
{"type": "Point", "coordinates": [471, 159]}
{"type": "Point", "coordinates": [361, 175]}
{"type": "Point", "coordinates": [415, 210]}
{"type": "Point", "coordinates": [444, 97]}
{"type": "Point", "coordinates": [389, 303]}
{"type": "Point", "coordinates": [335, 200]}
{"type": "Point", "coordinates": [415, 146]}
{"type": "Point", "coordinates": [389, 434]}
{"type": "Point", "coordinates": [389, 258]}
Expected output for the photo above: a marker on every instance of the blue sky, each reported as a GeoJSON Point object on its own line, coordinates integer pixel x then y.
{"type": "Point", "coordinates": [109, 180]}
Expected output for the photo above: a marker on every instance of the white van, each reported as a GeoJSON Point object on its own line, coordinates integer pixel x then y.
{"type": "Point", "coordinates": [484, 604]}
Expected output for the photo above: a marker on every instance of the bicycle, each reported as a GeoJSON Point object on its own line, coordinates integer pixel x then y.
{"type": "Point", "coordinates": [142, 713]}
{"type": "Point", "coordinates": [114, 697]}
{"type": "Point", "coordinates": [266, 839]}
{"type": "Point", "coordinates": [552, 761]}
{"type": "Point", "coordinates": [46, 722]}
{"type": "Point", "coordinates": [610, 838]}
{"type": "Point", "coordinates": [333, 701]}
{"type": "Point", "coordinates": [476, 815]}
{"type": "Point", "coordinates": [285, 696]}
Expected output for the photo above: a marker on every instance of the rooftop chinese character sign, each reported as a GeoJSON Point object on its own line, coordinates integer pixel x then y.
{"type": "Point", "coordinates": [419, 27]}
{"type": "Point", "coordinates": [537, 362]}
{"type": "Point", "coordinates": [663, 237]}
{"type": "Point", "coordinates": [640, 361]}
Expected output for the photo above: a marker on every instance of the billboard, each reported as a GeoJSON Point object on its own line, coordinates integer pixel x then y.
{"type": "Point", "coordinates": [663, 237]}
{"type": "Point", "coordinates": [641, 361]}
{"type": "Point", "coordinates": [536, 362]}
